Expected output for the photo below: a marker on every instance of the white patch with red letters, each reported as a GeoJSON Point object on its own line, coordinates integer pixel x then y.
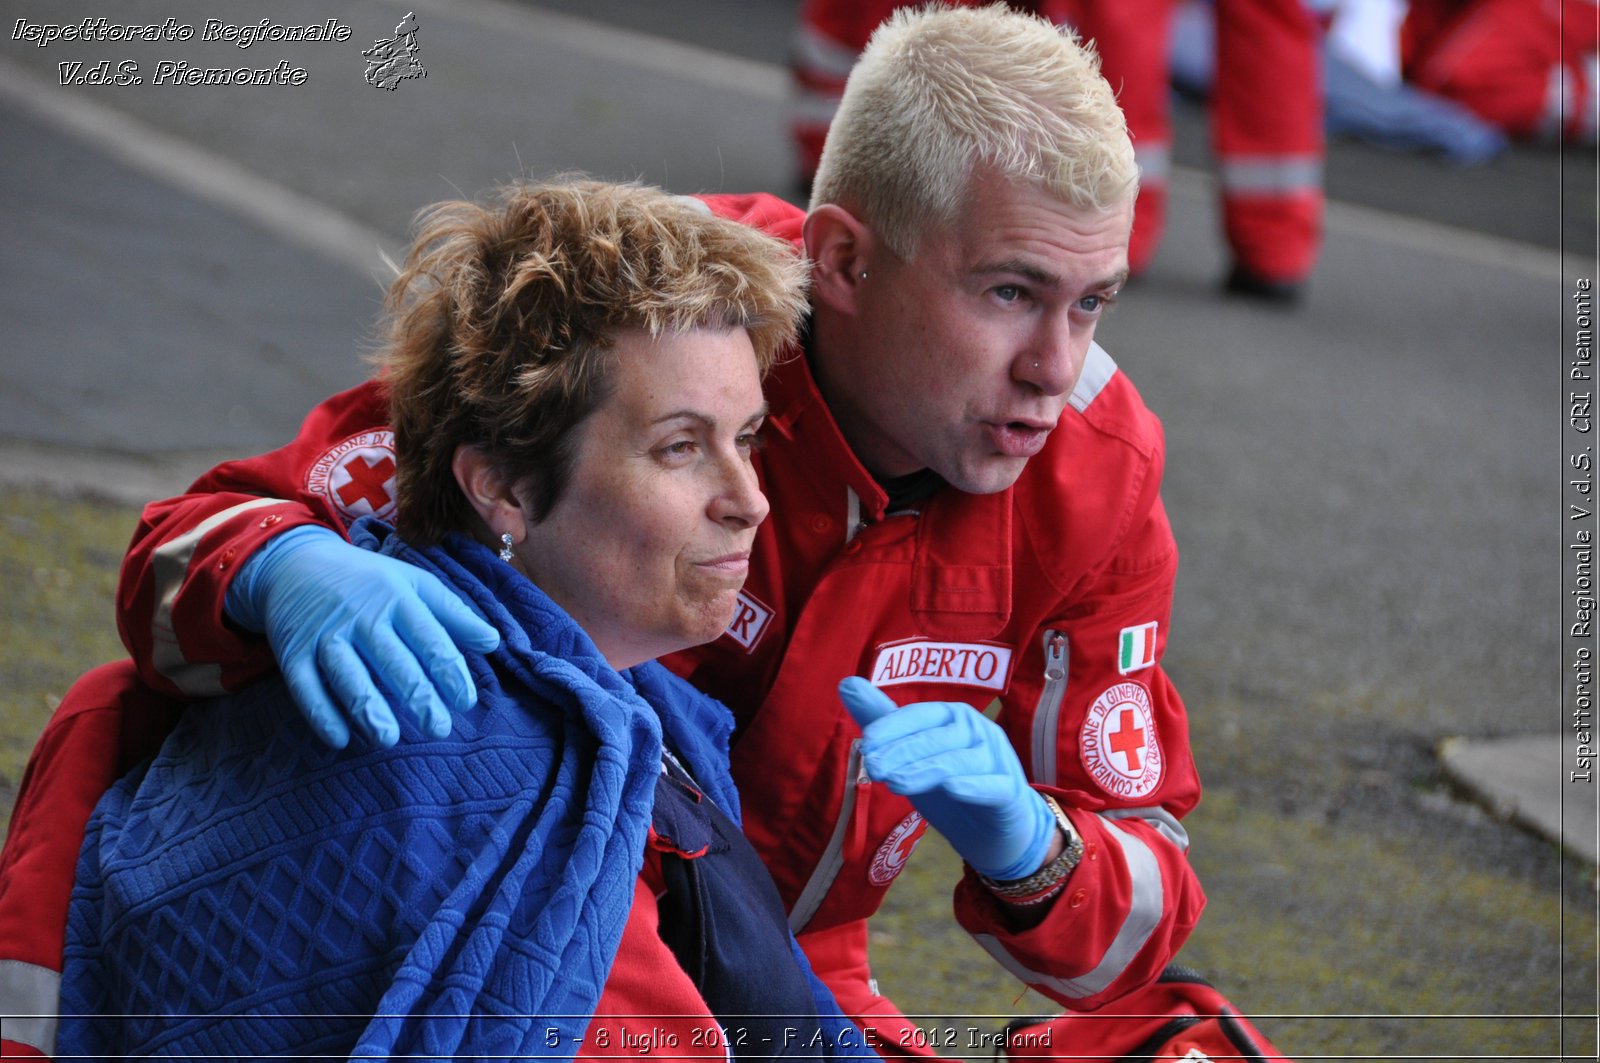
{"type": "Point", "coordinates": [984, 665]}
{"type": "Point", "coordinates": [750, 620]}
{"type": "Point", "coordinates": [357, 476]}
{"type": "Point", "coordinates": [1119, 745]}
{"type": "Point", "coordinates": [896, 849]}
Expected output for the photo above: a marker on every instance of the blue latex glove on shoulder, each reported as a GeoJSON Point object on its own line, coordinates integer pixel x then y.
{"type": "Point", "coordinates": [336, 615]}
{"type": "Point", "coordinates": [959, 770]}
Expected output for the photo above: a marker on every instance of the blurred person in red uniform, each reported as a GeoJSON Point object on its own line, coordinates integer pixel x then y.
{"type": "Point", "coordinates": [966, 500]}
{"type": "Point", "coordinates": [1530, 67]}
{"type": "Point", "coordinates": [1266, 117]}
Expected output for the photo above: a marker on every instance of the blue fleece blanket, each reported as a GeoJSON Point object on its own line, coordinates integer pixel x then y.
{"type": "Point", "coordinates": [251, 892]}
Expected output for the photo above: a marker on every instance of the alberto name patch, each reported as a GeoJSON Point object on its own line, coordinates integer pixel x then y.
{"type": "Point", "coordinates": [1118, 744]}
{"type": "Point", "coordinates": [357, 476]}
{"type": "Point", "coordinates": [965, 664]}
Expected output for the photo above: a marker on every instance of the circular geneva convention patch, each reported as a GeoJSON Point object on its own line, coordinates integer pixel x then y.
{"type": "Point", "coordinates": [1118, 743]}
{"type": "Point", "coordinates": [357, 476]}
{"type": "Point", "coordinates": [892, 855]}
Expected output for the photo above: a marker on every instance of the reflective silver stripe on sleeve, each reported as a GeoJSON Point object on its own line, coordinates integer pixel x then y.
{"type": "Point", "coordinates": [171, 565]}
{"type": "Point", "coordinates": [1098, 369]}
{"type": "Point", "coordinates": [1162, 821]}
{"type": "Point", "coordinates": [813, 108]}
{"type": "Point", "coordinates": [1154, 161]}
{"type": "Point", "coordinates": [30, 999]}
{"type": "Point", "coordinates": [816, 53]}
{"type": "Point", "coordinates": [1559, 100]}
{"type": "Point", "coordinates": [1271, 174]}
{"type": "Point", "coordinates": [827, 869]}
{"type": "Point", "coordinates": [1144, 915]}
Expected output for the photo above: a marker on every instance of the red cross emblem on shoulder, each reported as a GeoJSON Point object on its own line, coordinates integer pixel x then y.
{"type": "Point", "coordinates": [357, 476]}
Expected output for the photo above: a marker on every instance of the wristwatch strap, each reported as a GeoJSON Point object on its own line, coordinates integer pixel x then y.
{"type": "Point", "coordinates": [1049, 879]}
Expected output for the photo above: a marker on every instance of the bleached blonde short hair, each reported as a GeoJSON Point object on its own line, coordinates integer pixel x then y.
{"type": "Point", "coordinates": [940, 92]}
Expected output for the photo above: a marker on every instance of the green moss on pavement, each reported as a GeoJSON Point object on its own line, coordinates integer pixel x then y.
{"type": "Point", "coordinates": [58, 565]}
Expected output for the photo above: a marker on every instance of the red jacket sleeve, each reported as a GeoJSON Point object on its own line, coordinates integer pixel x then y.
{"type": "Point", "coordinates": [107, 722]}
{"type": "Point", "coordinates": [186, 549]}
{"type": "Point", "coordinates": [1100, 725]}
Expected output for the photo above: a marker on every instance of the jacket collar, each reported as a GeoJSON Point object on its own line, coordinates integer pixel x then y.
{"type": "Point", "coordinates": [962, 570]}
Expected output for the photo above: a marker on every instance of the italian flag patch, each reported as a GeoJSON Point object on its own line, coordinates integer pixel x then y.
{"type": "Point", "coordinates": [1136, 648]}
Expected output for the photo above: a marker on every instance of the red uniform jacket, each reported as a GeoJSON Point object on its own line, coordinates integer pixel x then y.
{"type": "Point", "coordinates": [1050, 599]}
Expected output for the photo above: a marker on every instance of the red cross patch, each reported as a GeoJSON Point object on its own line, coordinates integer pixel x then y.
{"type": "Point", "coordinates": [1118, 744]}
{"type": "Point", "coordinates": [892, 855]}
{"type": "Point", "coordinates": [357, 476]}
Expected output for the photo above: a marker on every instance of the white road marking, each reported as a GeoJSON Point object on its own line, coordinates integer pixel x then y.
{"type": "Point", "coordinates": [204, 174]}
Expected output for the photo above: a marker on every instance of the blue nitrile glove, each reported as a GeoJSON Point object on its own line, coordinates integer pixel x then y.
{"type": "Point", "coordinates": [336, 615]}
{"type": "Point", "coordinates": [959, 770]}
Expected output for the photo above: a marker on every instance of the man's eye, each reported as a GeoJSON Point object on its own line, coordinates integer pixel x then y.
{"type": "Point", "coordinates": [1093, 304]}
{"type": "Point", "coordinates": [1008, 293]}
{"type": "Point", "coordinates": [750, 441]}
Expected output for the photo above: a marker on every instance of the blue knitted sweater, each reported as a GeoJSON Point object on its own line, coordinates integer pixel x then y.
{"type": "Point", "coordinates": [251, 892]}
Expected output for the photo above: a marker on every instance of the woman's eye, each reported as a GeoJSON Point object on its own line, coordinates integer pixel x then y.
{"type": "Point", "coordinates": [682, 448]}
{"type": "Point", "coordinates": [750, 441]}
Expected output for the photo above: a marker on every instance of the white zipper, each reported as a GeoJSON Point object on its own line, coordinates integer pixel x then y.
{"type": "Point", "coordinates": [832, 859]}
{"type": "Point", "coordinates": [1048, 714]}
